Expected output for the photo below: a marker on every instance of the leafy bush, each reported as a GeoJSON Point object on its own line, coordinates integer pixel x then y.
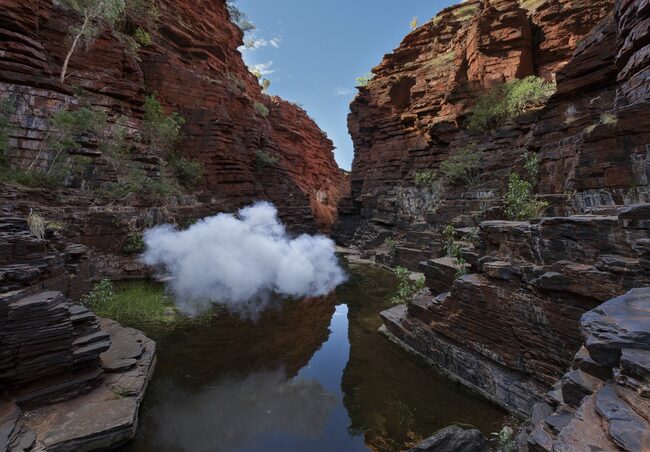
{"type": "Point", "coordinates": [464, 166]}
{"type": "Point", "coordinates": [454, 251]}
{"type": "Point", "coordinates": [188, 172]}
{"type": "Point", "coordinates": [33, 179]}
{"type": "Point", "coordinates": [407, 287]}
{"type": "Point", "coordinates": [134, 245]}
{"type": "Point", "coordinates": [261, 109]}
{"type": "Point", "coordinates": [504, 102]}
{"type": "Point", "coordinates": [101, 293]}
{"type": "Point", "coordinates": [143, 37]}
{"type": "Point", "coordinates": [425, 178]}
{"type": "Point", "coordinates": [264, 159]}
{"type": "Point", "coordinates": [390, 244]}
{"type": "Point", "coordinates": [520, 201]}
{"type": "Point", "coordinates": [161, 131]}
{"type": "Point", "coordinates": [505, 440]}
{"type": "Point", "coordinates": [365, 79]}
{"type": "Point", "coordinates": [465, 12]}
{"type": "Point", "coordinates": [6, 110]}
{"type": "Point", "coordinates": [443, 59]}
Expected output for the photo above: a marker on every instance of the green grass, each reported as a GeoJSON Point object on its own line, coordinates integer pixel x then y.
{"type": "Point", "coordinates": [32, 179]}
{"type": "Point", "coordinates": [465, 12]}
{"type": "Point", "coordinates": [138, 304]}
{"type": "Point", "coordinates": [132, 302]}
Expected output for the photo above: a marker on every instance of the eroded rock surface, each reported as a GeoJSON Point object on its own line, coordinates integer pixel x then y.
{"type": "Point", "coordinates": [604, 402]}
{"type": "Point", "coordinates": [98, 418]}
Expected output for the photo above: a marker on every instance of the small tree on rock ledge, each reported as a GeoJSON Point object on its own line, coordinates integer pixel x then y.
{"type": "Point", "coordinates": [94, 14]}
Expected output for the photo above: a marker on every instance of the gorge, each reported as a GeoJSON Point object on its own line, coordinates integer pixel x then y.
{"type": "Point", "coordinates": [502, 151]}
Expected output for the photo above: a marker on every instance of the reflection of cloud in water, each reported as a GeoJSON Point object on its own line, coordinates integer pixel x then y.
{"type": "Point", "coordinates": [233, 411]}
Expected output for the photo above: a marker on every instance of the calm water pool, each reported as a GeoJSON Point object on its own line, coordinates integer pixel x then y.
{"type": "Point", "coordinates": [314, 375]}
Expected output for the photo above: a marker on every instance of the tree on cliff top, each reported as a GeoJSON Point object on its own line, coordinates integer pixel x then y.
{"type": "Point", "coordinates": [94, 14]}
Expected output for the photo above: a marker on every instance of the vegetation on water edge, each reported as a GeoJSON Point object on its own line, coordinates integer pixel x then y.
{"type": "Point", "coordinates": [132, 302]}
{"type": "Point", "coordinates": [407, 287]}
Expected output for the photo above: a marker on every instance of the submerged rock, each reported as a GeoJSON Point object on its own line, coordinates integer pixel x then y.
{"type": "Point", "coordinates": [454, 439]}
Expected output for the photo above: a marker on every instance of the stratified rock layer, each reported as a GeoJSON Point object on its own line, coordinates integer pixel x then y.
{"type": "Point", "coordinates": [102, 416]}
{"type": "Point", "coordinates": [603, 403]}
{"type": "Point", "coordinates": [510, 328]}
{"type": "Point", "coordinates": [196, 70]}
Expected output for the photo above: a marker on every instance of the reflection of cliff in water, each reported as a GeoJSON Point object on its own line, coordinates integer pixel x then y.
{"type": "Point", "coordinates": [283, 338]}
{"type": "Point", "coordinates": [227, 414]}
{"type": "Point", "coordinates": [392, 398]}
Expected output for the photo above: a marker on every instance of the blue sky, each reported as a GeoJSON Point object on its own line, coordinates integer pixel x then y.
{"type": "Point", "coordinates": [312, 51]}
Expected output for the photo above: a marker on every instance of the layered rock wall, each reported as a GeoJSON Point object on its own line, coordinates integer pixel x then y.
{"type": "Point", "coordinates": [510, 328]}
{"type": "Point", "coordinates": [195, 69]}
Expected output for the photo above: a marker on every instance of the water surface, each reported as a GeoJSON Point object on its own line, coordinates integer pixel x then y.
{"type": "Point", "coordinates": [314, 375]}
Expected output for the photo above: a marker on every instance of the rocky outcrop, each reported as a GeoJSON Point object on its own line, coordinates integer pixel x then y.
{"type": "Point", "coordinates": [510, 329]}
{"type": "Point", "coordinates": [100, 418]}
{"type": "Point", "coordinates": [603, 402]}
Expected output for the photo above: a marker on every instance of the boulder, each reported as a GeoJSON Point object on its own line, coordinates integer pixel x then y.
{"type": "Point", "coordinates": [454, 439]}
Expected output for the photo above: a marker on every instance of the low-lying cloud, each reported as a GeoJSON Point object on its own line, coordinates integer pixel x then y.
{"type": "Point", "coordinates": [240, 260]}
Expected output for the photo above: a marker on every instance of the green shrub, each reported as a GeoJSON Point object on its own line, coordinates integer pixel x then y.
{"type": "Point", "coordinates": [465, 12]}
{"type": "Point", "coordinates": [365, 79]}
{"type": "Point", "coordinates": [162, 132]}
{"type": "Point", "coordinates": [264, 159]}
{"type": "Point", "coordinates": [424, 178]}
{"type": "Point", "coordinates": [261, 109]}
{"type": "Point", "coordinates": [520, 201]}
{"type": "Point", "coordinates": [463, 166]}
{"type": "Point", "coordinates": [443, 59]}
{"type": "Point", "coordinates": [505, 439]}
{"type": "Point", "coordinates": [454, 251]}
{"type": "Point", "coordinates": [134, 245]}
{"type": "Point", "coordinates": [506, 101]}
{"type": "Point", "coordinates": [188, 172]}
{"type": "Point", "coordinates": [32, 179]}
{"type": "Point", "coordinates": [143, 37]}
{"type": "Point", "coordinates": [6, 110]}
{"type": "Point", "coordinates": [407, 287]}
{"type": "Point", "coordinates": [390, 244]}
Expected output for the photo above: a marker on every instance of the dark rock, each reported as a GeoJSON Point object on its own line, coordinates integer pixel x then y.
{"type": "Point", "coordinates": [629, 430]}
{"type": "Point", "coordinates": [576, 385]}
{"type": "Point", "coordinates": [454, 439]}
{"type": "Point", "coordinates": [617, 324]}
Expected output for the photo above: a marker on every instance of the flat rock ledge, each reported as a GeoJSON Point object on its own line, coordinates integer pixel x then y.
{"type": "Point", "coordinates": [102, 419]}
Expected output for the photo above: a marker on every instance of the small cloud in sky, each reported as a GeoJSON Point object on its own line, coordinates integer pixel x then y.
{"type": "Point", "coordinates": [258, 43]}
{"type": "Point", "coordinates": [342, 91]}
{"type": "Point", "coordinates": [262, 68]}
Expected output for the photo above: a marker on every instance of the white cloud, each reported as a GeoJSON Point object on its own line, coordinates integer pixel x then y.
{"type": "Point", "coordinates": [262, 68]}
{"type": "Point", "coordinates": [239, 260]}
{"type": "Point", "coordinates": [342, 92]}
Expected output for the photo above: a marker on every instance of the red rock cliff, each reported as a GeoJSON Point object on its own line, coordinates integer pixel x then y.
{"type": "Point", "coordinates": [197, 71]}
{"type": "Point", "coordinates": [509, 328]}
